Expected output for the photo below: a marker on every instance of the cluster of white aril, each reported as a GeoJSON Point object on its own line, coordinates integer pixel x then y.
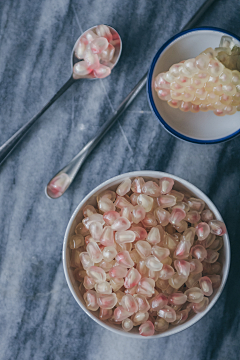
{"type": "Point", "coordinates": [96, 50]}
{"type": "Point", "coordinates": [211, 81]}
{"type": "Point", "coordinates": [146, 255]}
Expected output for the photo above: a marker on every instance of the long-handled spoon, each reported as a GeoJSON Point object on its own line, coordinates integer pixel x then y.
{"type": "Point", "coordinates": [11, 143]}
{"type": "Point", "coordinates": [63, 179]}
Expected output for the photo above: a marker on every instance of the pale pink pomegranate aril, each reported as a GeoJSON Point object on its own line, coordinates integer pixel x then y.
{"type": "Point", "coordinates": [202, 231]}
{"type": "Point", "coordinates": [149, 262]}
{"type": "Point", "coordinates": [217, 227]}
{"type": "Point", "coordinates": [146, 329]}
{"type": "Point", "coordinates": [199, 252]}
{"type": "Point", "coordinates": [129, 303]}
{"type": "Point", "coordinates": [157, 302]}
{"type": "Point", "coordinates": [182, 267]}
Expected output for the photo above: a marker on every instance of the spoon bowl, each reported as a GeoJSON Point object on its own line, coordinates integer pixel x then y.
{"type": "Point", "coordinates": [116, 42]}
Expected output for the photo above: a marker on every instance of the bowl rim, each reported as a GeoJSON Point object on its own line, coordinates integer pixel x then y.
{"type": "Point", "coordinates": [157, 175]}
{"type": "Point", "coordinates": [151, 102]}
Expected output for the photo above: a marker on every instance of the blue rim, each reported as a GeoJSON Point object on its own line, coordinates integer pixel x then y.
{"type": "Point", "coordinates": [150, 96]}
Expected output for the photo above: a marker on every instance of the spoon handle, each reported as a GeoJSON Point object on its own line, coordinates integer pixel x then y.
{"type": "Point", "coordinates": [61, 181]}
{"type": "Point", "coordinates": [11, 143]}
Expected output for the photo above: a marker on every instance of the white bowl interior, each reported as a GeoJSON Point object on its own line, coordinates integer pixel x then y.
{"type": "Point", "coordinates": [203, 125]}
{"type": "Point", "coordinates": [180, 185]}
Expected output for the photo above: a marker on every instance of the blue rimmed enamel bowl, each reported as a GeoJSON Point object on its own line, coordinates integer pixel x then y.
{"type": "Point", "coordinates": [202, 127]}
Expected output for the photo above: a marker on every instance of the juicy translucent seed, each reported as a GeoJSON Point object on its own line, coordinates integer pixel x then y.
{"type": "Point", "coordinates": [209, 240]}
{"type": "Point", "coordinates": [176, 216]}
{"type": "Point", "coordinates": [103, 288]}
{"type": "Point", "coordinates": [122, 237]}
{"type": "Point", "coordinates": [105, 265]}
{"type": "Point", "coordinates": [160, 82]}
{"type": "Point", "coordinates": [151, 188]}
{"type": "Point", "coordinates": [195, 266]}
{"type": "Point", "coordinates": [143, 248]}
{"type": "Point", "coordinates": [153, 236]}
{"type": "Point", "coordinates": [157, 302]}
{"type": "Point", "coordinates": [110, 216]}
{"type": "Point", "coordinates": [142, 269]}
{"type": "Point", "coordinates": [152, 274]}
{"type": "Point", "coordinates": [153, 263]}
{"type": "Point", "coordinates": [177, 298]}
{"type": "Point", "coordinates": [192, 216]}
{"type": "Point", "coordinates": [107, 237]}
{"type": "Point", "coordinates": [88, 282]}
{"type": "Point", "coordinates": [146, 329]}
{"type": "Point", "coordinates": [160, 252]}
{"type": "Point", "coordinates": [88, 210]}
{"type": "Point", "coordinates": [206, 285]}
{"type": "Point", "coordinates": [132, 278]}
{"type": "Point", "coordinates": [118, 271]}
{"type": "Point", "coordinates": [119, 295]}
{"type": "Point", "coordinates": [181, 317]}
{"type": "Point", "coordinates": [226, 76]}
{"type": "Point", "coordinates": [189, 234]}
{"type": "Point", "coordinates": [127, 324]}
{"type": "Point", "coordinates": [86, 260]}
{"type": "Point", "coordinates": [116, 283]}
{"type": "Point", "coordinates": [96, 229]}
{"type": "Point", "coordinates": [146, 287]}
{"type": "Point", "coordinates": [105, 314]}
{"type": "Point", "coordinates": [199, 252]}
{"type": "Point", "coordinates": [167, 313]}
{"type": "Point", "coordinates": [81, 230]}
{"type": "Point", "coordinates": [162, 216]}
{"type": "Point", "coordinates": [103, 30]}
{"type": "Point", "coordinates": [196, 204]}
{"type": "Point", "coordinates": [107, 54]}
{"type": "Point", "coordinates": [126, 212]}
{"type": "Point", "coordinates": [133, 199]}
{"type": "Point", "coordinates": [109, 253]}
{"type": "Point", "coordinates": [182, 250]}
{"type": "Point", "coordinates": [93, 218]}
{"type": "Point", "coordinates": [129, 303]}
{"type": "Point", "coordinates": [138, 213]}
{"type": "Point", "coordinates": [121, 224]}
{"type": "Point", "coordinates": [166, 272]}
{"type": "Point", "coordinates": [165, 185]}
{"type": "Point", "coordinates": [166, 201]}
{"type": "Point", "coordinates": [207, 215]}
{"type": "Point", "coordinates": [107, 194]}
{"type": "Point", "coordinates": [90, 298]}
{"type": "Point", "coordinates": [178, 195]}
{"type": "Point", "coordinates": [76, 241]}
{"type": "Point", "coordinates": [124, 259]}
{"type": "Point", "coordinates": [149, 220]}
{"type": "Point", "coordinates": [98, 45]}
{"type": "Point", "coordinates": [193, 279]}
{"type": "Point", "coordinates": [216, 280]}
{"type": "Point", "coordinates": [194, 295]}
{"type": "Point", "coordinates": [202, 62]}
{"type": "Point", "coordinates": [215, 67]}
{"type": "Point", "coordinates": [139, 231]}
{"type": "Point", "coordinates": [161, 325]}
{"type": "Point", "coordinates": [168, 77]}
{"type": "Point", "coordinates": [176, 281]}
{"type": "Point", "coordinates": [122, 202]}
{"type": "Point", "coordinates": [97, 273]}
{"type": "Point", "coordinates": [131, 291]}
{"type": "Point", "coordinates": [107, 301]}
{"type": "Point", "coordinates": [217, 227]}
{"type": "Point", "coordinates": [202, 231]}
{"type": "Point", "coordinates": [143, 304]}
{"type": "Point", "coordinates": [106, 205]}
{"type": "Point", "coordinates": [124, 187]}
{"type": "Point", "coordinates": [94, 252]}
{"type": "Point", "coordinates": [212, 256]}
{"type": "Point", "coordinates": [217, 244]}
{"type": "Point", "coordinates": [182, 267]}
{"type": "Point", "coordinates": [145, 201]}
{"type": "Point", "coordinates": [201, 306]}
{"type": "Point", "coordinates": [181, 226]}
{"type": "Point", "coordinates": [102, 71]}
{"type": "Point", "coordinates": [137, 185]}
{"type": "Point", "coordinates": [121, 314]}
{"type": "Point", "coordinates": [236, 77]}
{"type": "Point", "coordinates": [81, 69]}
{"type": "Point", "coordinates": [139, 318]}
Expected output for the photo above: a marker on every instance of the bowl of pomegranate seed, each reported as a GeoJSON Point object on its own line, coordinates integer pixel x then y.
{"type": "Point", "coordinates": [146, 254]}
{"type": "Point", "coordinates": [194, 85]}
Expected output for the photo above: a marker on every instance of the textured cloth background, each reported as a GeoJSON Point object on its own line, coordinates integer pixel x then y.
{"type": "Point", "coordinates": [39, 318]}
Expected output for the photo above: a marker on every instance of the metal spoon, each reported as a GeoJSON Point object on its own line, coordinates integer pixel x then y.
{"type": "Point", "coordinates": [11, 143]}
{"type": "Point", "coordinates": [63, 179]}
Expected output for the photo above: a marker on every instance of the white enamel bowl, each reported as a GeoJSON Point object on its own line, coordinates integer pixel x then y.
{"type": "Point", "coordinates": [112, 184]}
{"type": "Point", "coordinates": [203, 127]}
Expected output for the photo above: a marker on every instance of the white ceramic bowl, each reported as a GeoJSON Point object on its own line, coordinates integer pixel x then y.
{"type": "Point", "coordinates": [112, 184]}
{"type": "Point", "coordinates": [203, 127]}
